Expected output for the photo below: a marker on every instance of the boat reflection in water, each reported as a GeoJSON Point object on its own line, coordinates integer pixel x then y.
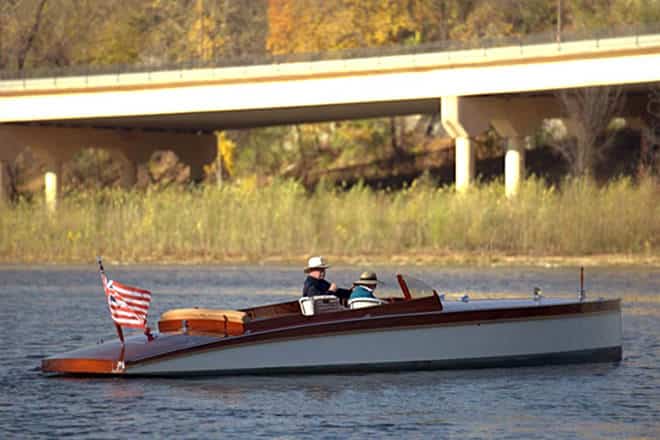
{"type": "Point", "coordinates": [413, 328]}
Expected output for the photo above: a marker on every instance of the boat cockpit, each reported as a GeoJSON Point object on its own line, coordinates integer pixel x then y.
{"type": "Point", "coordinates": [401, 293]}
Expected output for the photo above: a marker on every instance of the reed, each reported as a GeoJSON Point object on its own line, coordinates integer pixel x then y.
{"type": "Point", "coordinates": [242, 222]}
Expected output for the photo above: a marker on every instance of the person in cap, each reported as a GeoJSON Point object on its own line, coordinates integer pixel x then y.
{"type": "Point", "coordinates": [365, 286]}
{"type": "Point", "coordinates": [315, 283]}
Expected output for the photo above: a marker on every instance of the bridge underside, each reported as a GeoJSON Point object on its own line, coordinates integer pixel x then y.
{"type": "Point", "coordinates": [191, 135]}
{"type": "Point", "coordinates": [208, 122]}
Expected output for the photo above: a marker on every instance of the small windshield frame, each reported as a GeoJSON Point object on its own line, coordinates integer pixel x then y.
{"type": "Point", "coordinates": [403, 286]}
{"type": "Point", "coordinates": [417, 288]}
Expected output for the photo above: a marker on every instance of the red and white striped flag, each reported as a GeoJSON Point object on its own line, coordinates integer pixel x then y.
{"type": "Point", "coordinates": [128, 305]}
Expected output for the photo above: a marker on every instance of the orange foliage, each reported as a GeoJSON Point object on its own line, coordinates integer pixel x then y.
{"type": "Point", "coordinates": [311, 26]}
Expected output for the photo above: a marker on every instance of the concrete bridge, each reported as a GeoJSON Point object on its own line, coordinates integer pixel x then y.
{"type": "Point", "coordinates": [133, 114]}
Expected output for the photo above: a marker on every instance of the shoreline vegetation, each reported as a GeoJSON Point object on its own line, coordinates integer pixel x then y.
{"type": "Point", "coordinates": [577, 223]}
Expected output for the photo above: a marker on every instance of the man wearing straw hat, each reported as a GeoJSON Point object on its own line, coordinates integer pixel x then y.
{"type": "Point", "coordinates": [315, 283]}
{"type": "Point", "coordinates": [365, 286]}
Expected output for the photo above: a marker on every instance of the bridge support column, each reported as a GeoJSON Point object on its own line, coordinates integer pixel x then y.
{"type": "Point", "coordinates": [52, 185]}
{"type": "Point", "coordinates": [462, 120]}
{"type": "Point", "coordinates": [464, 163]}
{"type": "Point", "coordinates": [514, 165]}
{"type": "Point", "coordinates": [517, 120]}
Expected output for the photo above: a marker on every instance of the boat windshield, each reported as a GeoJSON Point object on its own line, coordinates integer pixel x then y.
{"type": "Point", "coordinates": [403, 286]}
{"type": "Point", "coordinates": [417, 287]}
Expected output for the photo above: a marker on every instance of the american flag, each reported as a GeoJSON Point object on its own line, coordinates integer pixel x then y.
{"type": "Point", "coordinates": [128, 305]}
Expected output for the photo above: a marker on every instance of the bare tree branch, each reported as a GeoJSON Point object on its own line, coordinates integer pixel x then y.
{"type": "Point", "coordinates": [587, 113]}
{"type": "Point", "coordinates": [22, 55]}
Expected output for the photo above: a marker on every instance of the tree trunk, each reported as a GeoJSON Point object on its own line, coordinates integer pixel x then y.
{"type": "Point", "coordinates": [588, 112]}
{"type": "Point", "coordinates": [23, 53]}
{"type": "Point", "coordinates": [395, 136]}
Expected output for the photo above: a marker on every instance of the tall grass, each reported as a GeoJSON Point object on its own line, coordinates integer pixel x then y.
{"type": "Point", "coordinates": [281, 220]}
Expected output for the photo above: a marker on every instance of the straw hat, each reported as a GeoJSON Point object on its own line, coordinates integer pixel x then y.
{"type": "Point", "coordinates": [367, 279]}
{"type": "Point", "coordinates": [316, 263]}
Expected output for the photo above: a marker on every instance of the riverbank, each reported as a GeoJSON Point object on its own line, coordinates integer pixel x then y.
{"type": "Point", "coordinates": [494, 260]}
{"type": "Point", "coordinates": [579, 223]}
{"type": "Point", "coordinates": [413, 259]}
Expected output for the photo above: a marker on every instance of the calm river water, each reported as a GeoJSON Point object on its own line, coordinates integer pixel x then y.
{"type": "Point", "coordinates": [46, 310]}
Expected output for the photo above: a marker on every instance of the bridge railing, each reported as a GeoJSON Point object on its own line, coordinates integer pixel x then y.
{"type": "Point", "coordinates": [594, 35]}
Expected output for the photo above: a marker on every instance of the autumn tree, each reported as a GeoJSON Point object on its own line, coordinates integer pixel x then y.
{"type": "Point", "coordinates": [605, 14]}
{"type": "Point", "coordinates": [504, 18]}
{"type": "Point", "coordinates": [312, 26]}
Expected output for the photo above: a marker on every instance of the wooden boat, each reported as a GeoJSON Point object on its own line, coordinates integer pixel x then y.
{"type": "Point", "coordinates": [419, 329]}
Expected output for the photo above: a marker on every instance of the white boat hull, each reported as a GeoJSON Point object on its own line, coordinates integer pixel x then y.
{"type": "Point", "coordinates": [539, 340]}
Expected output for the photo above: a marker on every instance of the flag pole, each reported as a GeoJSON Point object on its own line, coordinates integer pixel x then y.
{"type": "Point", "coordinates": [120, 332]}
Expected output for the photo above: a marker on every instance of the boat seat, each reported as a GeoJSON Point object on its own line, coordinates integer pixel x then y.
{"type": "Point", "coordinates": [227, 322]}
{"type": "Point", "coordinates": [361, 303]}
{"type": "Point", "coordinates": [313, 305]}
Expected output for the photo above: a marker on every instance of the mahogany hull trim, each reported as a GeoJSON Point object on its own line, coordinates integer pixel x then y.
{"type": "Point", "coordinates": [80, 366]}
